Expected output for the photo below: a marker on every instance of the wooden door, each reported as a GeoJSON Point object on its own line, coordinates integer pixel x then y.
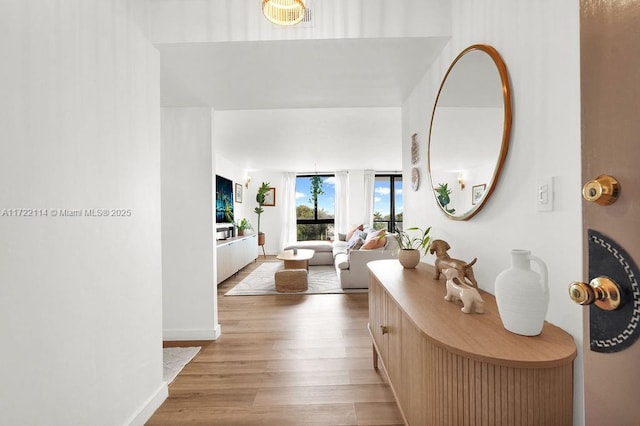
{"type": "Point", "coordinates": [610, 89]}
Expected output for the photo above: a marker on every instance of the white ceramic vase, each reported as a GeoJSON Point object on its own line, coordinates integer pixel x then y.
{"type": "Point", "coordinates": [522, 294]}
{"type": "Point", "coordinates": [409, 258]}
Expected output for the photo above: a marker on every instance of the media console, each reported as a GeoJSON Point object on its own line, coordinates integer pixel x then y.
{"type": "Point", "coordinates": [234, 254]}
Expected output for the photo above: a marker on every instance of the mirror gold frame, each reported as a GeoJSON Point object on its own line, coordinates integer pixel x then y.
{"type": "Point", "coordinates": [481, 191]}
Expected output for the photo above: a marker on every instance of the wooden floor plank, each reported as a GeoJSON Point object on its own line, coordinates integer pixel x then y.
{"type": "Point", "coordinates": [304, 365]}
{"type": "Point", "coordinates": [283, 360]}
{"type": "Point", "coordinates": [300, 395]}
{"type": "Point", "coordinates": [311, 415]}
{"type": "Point", "coordinates": [264, 380]}
{"type": "Point", "coordinates": [377, 413]}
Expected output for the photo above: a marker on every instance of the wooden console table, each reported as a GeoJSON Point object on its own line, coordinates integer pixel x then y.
{"type": "Point", "coordinates": [450, 368]}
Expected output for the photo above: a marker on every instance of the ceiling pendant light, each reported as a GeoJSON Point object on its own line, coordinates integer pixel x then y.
{"type": "Point", "coordinates": [283, 12]}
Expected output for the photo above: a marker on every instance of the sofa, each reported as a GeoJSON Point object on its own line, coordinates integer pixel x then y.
{"type": "Point", "coordinates": [349, 257]}
{"type": "Point", "coordinates": [323, 251]}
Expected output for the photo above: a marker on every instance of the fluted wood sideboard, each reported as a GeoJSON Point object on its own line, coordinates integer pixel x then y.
{"type": "Point", "coordinates": [450, 368]}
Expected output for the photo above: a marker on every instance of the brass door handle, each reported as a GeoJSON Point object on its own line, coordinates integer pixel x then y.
{"type": "Point", "coordinates": [603, 190]}
{"type": "Point", "coordinates": [601, 291]}
{"type": "Point", "coordinates": [384, 329]}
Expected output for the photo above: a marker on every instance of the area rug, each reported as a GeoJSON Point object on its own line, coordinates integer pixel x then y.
{"type": "Point", "coordinates": [174, 360]}
{"type": "Point", "coordinates": [322, 280]}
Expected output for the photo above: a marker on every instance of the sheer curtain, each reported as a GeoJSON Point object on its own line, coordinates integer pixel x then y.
{"type": "Point", "coordinates": [369, 183]}
{"type": "Point", "coordinates": [288, 234]}
{"type": "Point", "coordinates": [342, 203]}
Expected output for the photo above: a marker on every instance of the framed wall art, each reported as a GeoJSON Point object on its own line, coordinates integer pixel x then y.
{"type": "Point", "coordinates": [270, 197]}
{"type": "Point", "coordinates": [477, 191]}
{"type": "Point", "coordinates": [238, 193]}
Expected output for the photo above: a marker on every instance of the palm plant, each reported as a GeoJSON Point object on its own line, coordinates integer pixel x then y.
{"type": "Point", "coordinates": [260, 199]}
{"type": "Point", "coordinates": [406, 241]}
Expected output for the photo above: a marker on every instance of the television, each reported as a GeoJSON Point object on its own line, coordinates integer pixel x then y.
{"type": "Point", "coordinates": [224, 200]}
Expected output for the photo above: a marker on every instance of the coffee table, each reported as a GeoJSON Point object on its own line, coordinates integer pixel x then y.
{"type": "Point", "coordinates": [300, 260]}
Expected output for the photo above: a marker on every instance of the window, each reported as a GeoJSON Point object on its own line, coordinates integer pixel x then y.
{"type": "Point", "coordinates": [315, 207]}
{"type": "Point", "coordinates": [387, 202]}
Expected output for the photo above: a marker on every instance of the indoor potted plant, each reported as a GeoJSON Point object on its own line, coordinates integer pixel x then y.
{"type": "Point", "coordinates": [409, 246]}
{"type": "Point", "coordinates": [444, 193]}
{"type": "Point", "coordinates": [242, 226]}
{"type": "Point", "coordinates": [260, 199]}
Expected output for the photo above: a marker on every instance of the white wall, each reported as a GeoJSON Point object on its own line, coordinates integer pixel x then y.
{"type": "Point", "coordinates": [310, 139]}
{"type": "Point", "coordinates": [81, 296]}
{"type": "Point", "coordinates": [271, 220]}
{"type": "Point", "coordinates": [539, 42]}
{"type": "Point", "coordinates": [188, 203]}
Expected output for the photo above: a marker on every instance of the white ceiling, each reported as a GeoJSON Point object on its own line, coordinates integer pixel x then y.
{"type": "Point", "coordinates": [299, 74]}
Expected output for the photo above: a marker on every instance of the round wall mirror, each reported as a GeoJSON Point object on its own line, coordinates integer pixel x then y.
{"type": "Point", "coordinates": [469, 134]}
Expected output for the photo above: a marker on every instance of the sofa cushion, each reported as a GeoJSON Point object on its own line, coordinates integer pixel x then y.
{"type": "Point", "coordinates": [391, 244]}
{"type": "Point", "coordinates": [316, 245]}
{"type": "Point", "coordinates": [340, 248]}
{"type": "Point", "coordinates": [375, 240]}
{"type": "Point", "coordinates": [340, 245]}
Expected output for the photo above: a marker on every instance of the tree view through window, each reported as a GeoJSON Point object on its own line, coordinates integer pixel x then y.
{"type": "Point", "coordinates": [387, 202]}
{"type": "Point", "coordinates": [315, 207]}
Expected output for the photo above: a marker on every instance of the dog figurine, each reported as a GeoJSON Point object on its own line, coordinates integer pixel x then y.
{"type": "Point", "coordinates": [458, 290]}
{"type": "Point", "coordinates": [444, 261]}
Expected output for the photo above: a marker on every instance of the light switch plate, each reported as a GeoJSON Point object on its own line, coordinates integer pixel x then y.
{"type": "Point", "coordinates": [545, 194]}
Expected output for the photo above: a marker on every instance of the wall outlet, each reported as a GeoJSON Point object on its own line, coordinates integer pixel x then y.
{"type": "Point", "coordinates": [545, 194]}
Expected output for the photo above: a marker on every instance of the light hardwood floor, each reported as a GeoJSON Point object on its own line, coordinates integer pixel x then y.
{"type": "Point", "coordinates": [283, 360]}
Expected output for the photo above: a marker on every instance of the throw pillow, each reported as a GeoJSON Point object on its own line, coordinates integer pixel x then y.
{"type": "Point", "coordinates": [368, 229]}
{"type": "Point", "coordinates": [357, 236]}
{"type": "Point", "coordinates": [375, 240]}
{"type": "Point", "coordinates": [353, 229]}
{"type": "Point", "coordinates": [358, 245]}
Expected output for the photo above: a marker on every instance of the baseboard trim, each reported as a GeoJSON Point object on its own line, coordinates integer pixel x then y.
{"type": "Point", "coordinates": [185, 343]}
{"type": "Point", "coordinates": [150, 406]}
{"type": "Point", "coordinates": [176, 335]}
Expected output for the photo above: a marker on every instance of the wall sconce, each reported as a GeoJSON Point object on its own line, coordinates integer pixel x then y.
{"type": "Point", "coordinates": [461, 181]}
{"type": "Point", "coordinates": [247, 181]}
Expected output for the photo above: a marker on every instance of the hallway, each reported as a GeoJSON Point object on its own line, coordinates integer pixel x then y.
{"type": "Point", "coordinates": [283, 360]}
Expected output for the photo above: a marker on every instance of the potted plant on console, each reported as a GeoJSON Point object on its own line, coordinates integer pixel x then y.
{"type": "Point", "coordinates": [242, 226]}
{"type": "Point", "coordinates": [409, 246]}
{"type": "Point", "coordinates": [260, 199]}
